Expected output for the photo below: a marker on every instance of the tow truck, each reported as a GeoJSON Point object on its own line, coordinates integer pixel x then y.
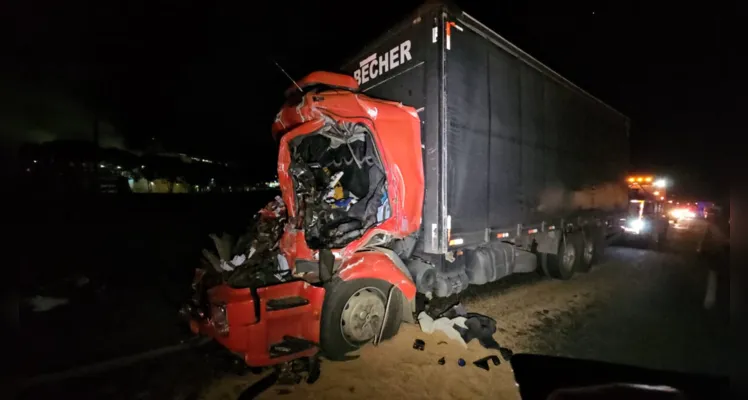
{"type": "Point", "coordinates": [647, 216]}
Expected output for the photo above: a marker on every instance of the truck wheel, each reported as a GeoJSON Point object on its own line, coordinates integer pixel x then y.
{"type": "Point", "coordinates": [593, 245]}
{"type": "Point", "coordinates": [353, 312]}
{"type": "Point", "coordinates": [562, 264]}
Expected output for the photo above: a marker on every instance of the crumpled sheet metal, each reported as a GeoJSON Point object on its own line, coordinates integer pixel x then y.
{"type": "Point", "coordinates": [253, 256]}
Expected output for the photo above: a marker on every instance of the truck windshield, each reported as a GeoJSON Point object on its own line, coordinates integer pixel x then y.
{"type": "Point", "coordinates": [636, 207]}
{"type": "Point", "coordinates": [339, 183]}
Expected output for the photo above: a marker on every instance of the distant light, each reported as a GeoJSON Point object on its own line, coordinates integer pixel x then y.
{"type": "Point", "coordinates": [670, 201]}
{"type": "Point", "coordinates": [28, 169]}
{"type": "Point", "coordinates": [661, 183]}
{"type": "Point", "coordinates": [34, 161]}
{"type": "Point", "coordinates": [142, 167]}
{"type": "Point", "coordinates": [632, 180]}
{"type": "Point", "coordinates": [639, 179]}
{"type": "Point", "coordinates": [662, 198]}
{"type": "Point", "coordinates": [648, 179]}
{"type": "Point", "coordinates": [118, 167]}
{"type": "Point", "coordinates": [656, 193]}
{"type": "Point", "coordinates": [102, 166]}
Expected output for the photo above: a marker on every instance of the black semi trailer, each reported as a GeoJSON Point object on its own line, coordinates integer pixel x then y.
{"type": "Point", "coordinates": [522, 167]}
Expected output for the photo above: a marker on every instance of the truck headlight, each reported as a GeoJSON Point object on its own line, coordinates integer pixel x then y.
{"type": "Point", "coordinates": [219, 319]}
{"type": "Point", "coordinates": [637, 224]}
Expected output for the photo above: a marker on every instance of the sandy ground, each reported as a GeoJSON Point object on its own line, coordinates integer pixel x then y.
{"type": "Point", "coordinates": [639, 307]}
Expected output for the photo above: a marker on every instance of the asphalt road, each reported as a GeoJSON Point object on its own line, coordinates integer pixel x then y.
{"type": "Point", "coordinates": [639, 307]}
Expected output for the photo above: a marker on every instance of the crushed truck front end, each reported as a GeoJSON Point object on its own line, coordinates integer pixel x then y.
{"type": "Point", "coordinates": [324, 247]}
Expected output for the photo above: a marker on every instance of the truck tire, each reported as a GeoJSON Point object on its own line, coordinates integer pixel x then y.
{"type": "Point", "coordinates": [562, 264]}
{"type": "Point", "coordinates": [593, 246]}
{"type": "Point", "coordinates": [352, 314]}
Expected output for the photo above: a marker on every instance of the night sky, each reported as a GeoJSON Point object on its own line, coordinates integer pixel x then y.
{"type": "Point", "coordinates": [199, 77]}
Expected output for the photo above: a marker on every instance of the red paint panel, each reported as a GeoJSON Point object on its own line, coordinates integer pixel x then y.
{"type": "Point", "coordinates": [376, 265]}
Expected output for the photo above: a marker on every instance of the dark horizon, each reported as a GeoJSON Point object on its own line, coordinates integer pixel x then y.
{"type": "Point", "coordinates": [201, 79]}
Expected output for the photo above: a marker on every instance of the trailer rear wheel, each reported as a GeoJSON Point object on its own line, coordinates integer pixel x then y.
{"type": "Point", "coordinates": [593, 245]}
{"type": "Point", "coordinates": [353, 312]}
{"type": "Point", "coordinates": [562, 264]}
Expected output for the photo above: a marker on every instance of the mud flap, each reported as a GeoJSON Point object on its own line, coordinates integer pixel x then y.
{"type": "Point", "coordinates": [548, 242]}
{"type": "Point", "coordinates": [409, 310]}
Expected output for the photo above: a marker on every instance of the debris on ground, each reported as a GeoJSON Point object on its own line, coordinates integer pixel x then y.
{"type": "Point", "coordinates": [460, 325]}
{"type": "Point", "coordinates": [506, 353]}
{"type": "Point", "coordinates": [483, 362]}
{"type": "Point", "coordinates": [286, 375]}
{"type": "Point", "coordinates": [455, 310]}
{"type": "Point", "coordinates": [445, 325]}
{"type": "Point", "coordinates": [479, 327]}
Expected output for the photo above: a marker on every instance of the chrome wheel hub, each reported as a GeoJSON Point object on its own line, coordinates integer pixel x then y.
{"type": "Point", "coordinates": [362, 315]}
{"type": "Point", "coordinates": [589, 251]}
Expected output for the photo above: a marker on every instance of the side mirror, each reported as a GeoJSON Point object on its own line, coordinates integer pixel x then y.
{"type": "Point", "coordinates": [326, 265]}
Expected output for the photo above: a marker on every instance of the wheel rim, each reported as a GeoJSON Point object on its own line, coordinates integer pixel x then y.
{"type": "Point", "coordinates": [589, 251]}
{"type": "Point", "coordinates": [362, 315]}
{"type": "Point", "coordinates": [569, 256]}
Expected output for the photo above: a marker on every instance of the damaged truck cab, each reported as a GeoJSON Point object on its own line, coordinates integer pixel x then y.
{"type": "Point", "coordinates": [351, 179]}
{"type": "Point", "coordinates": [344, 164]}
{"type": "Point", "coordinates": [351, 176]}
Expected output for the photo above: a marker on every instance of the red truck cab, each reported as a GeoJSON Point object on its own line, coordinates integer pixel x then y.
{"type": "Point", "coordinates": [344, 163]}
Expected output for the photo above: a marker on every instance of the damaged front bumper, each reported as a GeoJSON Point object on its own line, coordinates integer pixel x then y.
{"type": "Point", "coordinates": [265, 326]}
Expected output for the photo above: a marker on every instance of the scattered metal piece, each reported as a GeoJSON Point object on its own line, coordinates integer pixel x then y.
{"type": "Point", "coordinates": [461, 362]}
{"type": "Point", "coordinates": [419, 344]}
{"type": "Point", "coordinates": [506, 353]}
{"type": "Point", "coordinates": [483, 362]}
{"type": "Point", "coordinates": [442, 361]}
